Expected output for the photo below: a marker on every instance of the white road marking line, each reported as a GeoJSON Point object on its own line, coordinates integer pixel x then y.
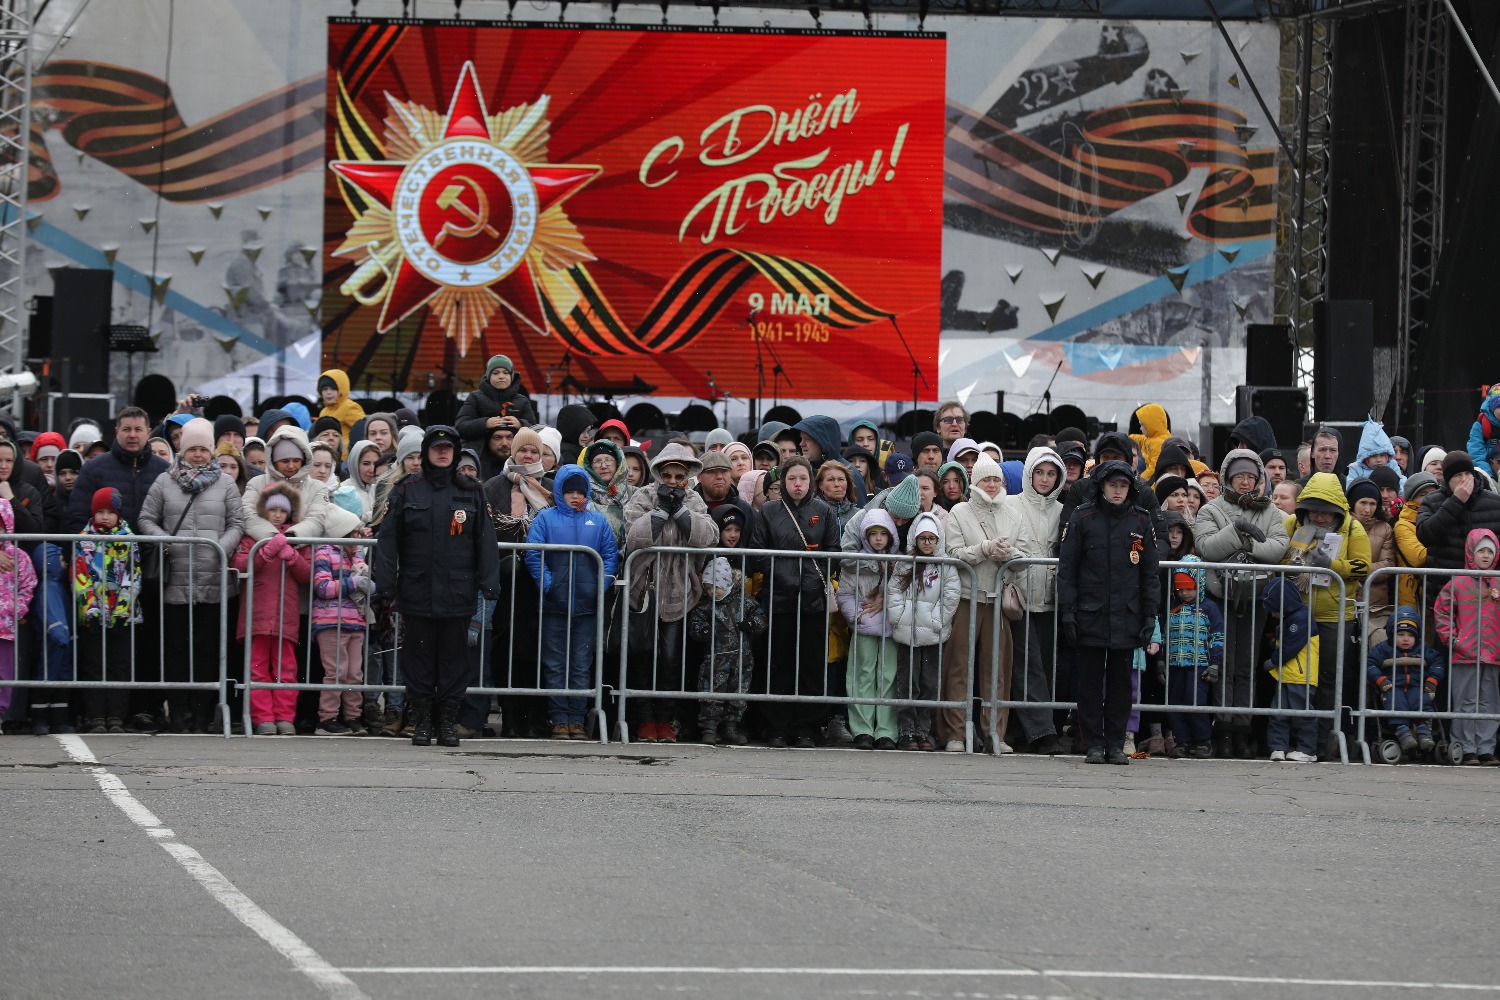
{"type": "Point", "coordinates": [296, 951]}
{"type": "Point", "coordinates": [722, 970]}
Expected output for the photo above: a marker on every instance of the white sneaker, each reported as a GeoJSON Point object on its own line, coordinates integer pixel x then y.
{"type": "Point", "coordinates": [1130, 744]}
{"type": "Point", "coordinates": [954, 746]}
{"type": "Point", "coordinates": [1278, 756]}
{"type": "Point", "coordinates": [1006, 747]}
{"type": "Point", "coordinates": [1298, 757]}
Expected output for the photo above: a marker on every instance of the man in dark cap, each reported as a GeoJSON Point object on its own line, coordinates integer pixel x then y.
{"type": "Point", "coordinates": [1275, 466]}
{"type": "Point", "coordinates": [228, 427]}
{"type": "Point", "coordinates": [436, 553]}
{"type": "Point", "coordinates": [927, 451]}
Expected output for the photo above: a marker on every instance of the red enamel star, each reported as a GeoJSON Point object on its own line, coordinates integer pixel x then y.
{"type": "Point", "coordinates": [464, 222]}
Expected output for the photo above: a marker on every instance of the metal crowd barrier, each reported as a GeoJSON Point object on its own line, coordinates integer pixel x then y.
{"type": "Point", "coordinates": [514, 583]}
{"type": "Point", "coordinates": [1223, 703]}
{"type": "Point", "coordinates": [1450, 740]}
{"type": "Point", "coordinates": [678, 677]}
{"type": "Point", "coordinates": [54, 603]}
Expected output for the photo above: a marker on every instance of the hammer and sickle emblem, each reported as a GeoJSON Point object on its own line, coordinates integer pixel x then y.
{"type": "Point", "coordinates": [479, 219]}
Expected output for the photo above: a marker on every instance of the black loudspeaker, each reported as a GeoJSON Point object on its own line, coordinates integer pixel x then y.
{"type": "Point", "coordinates": [1285, 410]}
{"type": "Point", "coordinates": [1344, 353]}
{"type": "Point", "coordinates": [1269, 356]}
{"type": "Point", "coordinates": [80, 328]}
{"type": "Point", "coordinates": [39, 334]}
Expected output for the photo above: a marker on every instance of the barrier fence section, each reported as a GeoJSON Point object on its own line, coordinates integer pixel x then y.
{"type": "Point", "coordinates": [1032, 642]}
{"type": "Point", "coordinates": [795, 667]}
{"type": "Point", "coordinates": [364, 658]}
{"type": "Point", "coordinates": [161, 645]}
{"type": "Point", "coordinates": [1457, 701]}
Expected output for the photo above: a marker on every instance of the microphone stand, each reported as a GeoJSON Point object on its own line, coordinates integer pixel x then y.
{"type": "Point", "coordinates": [760, 373]}
{"type": "Point", "coordinates": [1047, 392]}
{"type": "Point", "coordinates": [916, 369]}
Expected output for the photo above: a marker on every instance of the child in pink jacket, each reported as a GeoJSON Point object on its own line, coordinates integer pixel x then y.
{"type": "Point", "coordinates": [16, 588]}
{"type": "Point", "coordinates": [340, 604]}
{"type": "Point", "coordinates": [281, 571]}
{"type": "Point", "coordinates": [1468, 621]}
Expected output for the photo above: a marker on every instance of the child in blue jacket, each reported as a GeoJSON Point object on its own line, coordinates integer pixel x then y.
{"type": "Point", "coordinates": [570, 583]}
{"type": "Point", "coordinates": [1195, 655]}
{"type": "Point", "coordinates": [1484, 436]}
{"type": "Point", "coordinates": [1406, 672]}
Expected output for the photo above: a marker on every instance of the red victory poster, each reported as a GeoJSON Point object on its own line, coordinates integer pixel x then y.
{"type": "Point", "coordinates": [623, 203]}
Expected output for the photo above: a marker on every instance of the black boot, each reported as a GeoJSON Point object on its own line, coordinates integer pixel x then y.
{"type": "Point", "coordinates": [61, 720]}
{"type": "Point", "coordinates": [1222, 746]}
{"type": "Point", "coordinates": [419, 713]}
{"type": "Point", "coordinates": [447, 723]}
{"type": "Point", "coordinates": [731, 735]}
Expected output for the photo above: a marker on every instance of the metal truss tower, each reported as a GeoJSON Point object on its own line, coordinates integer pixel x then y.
{"type": "Point", "coordinates": [16, 23]}
{"type": "Point", "coordinates": [1423, 148]}
{"type": "Point", "coordinates": [1307, 86]}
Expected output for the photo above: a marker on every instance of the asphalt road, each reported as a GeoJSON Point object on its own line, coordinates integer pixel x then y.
{"type": "Point", "coordinates": [553, 871]}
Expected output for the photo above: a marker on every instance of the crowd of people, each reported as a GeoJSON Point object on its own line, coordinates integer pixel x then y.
{"type": "Point", "coordinates": [1063, 581]}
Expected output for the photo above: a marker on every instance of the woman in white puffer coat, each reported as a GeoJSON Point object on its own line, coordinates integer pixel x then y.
{"type": "Point", "coordinates": [1034, 536]}
{"type": "Point", "coordinates": [920, 604]}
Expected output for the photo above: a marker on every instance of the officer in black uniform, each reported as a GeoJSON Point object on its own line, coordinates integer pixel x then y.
{"type": "Point", "coordinates": [436, 552]}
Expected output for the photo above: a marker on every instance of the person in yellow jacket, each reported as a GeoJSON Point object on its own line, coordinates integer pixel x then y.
{"type": "Point", "coordinates": [1410, 552]}
{"type": "Point", "coordinates": [1323, 511]}
{"type": "Point", "coordinates": [1149, 427]}
{"type": "Point", "coordinates": [333, 390]}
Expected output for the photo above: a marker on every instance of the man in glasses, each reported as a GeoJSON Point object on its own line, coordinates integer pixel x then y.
{"type": "Point", "coordinates": [951, 423]}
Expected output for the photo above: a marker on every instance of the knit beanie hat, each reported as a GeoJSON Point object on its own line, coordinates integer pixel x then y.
{"type": "Point", "coordinates": [106, 498]}
{"type": "Point", "coordinates": [963, 446]}
{"type": "Point", "coordinates": [576, 482]}
{"type": "Point", "coordinates": [1183, 581]}
{"type": "Point", "coordinates": [905, 499]}
{"type": "Point", "coordinates": [924, 439]}
{"type": "Point", "coordinates": [523, 437]}
{"type": "Point", "coordinates": [747, 483]}
{"type": "Point", "coordinates": [986, 467]}
{"type": "Point", "coordinates": [346, 497]}
{"type": "Point", "coordinates": [718, 436]}
{"type": "Point", "coordinates": [1455, 462]}
{"type": "Point", "coordinates": [551, 441]}
{"type": "Point", "coordinates": [68, 459]}
{"type": "Point", "coordinates": [1238, 465]}
{"type": "Point", "coordinates": [84, 434]}
{"type": "Point", "coordinates": [1414, 484]}
{"type": "Point", "coordinates": [196, 432]}
{"type": "Point", "coordinates": [326, 424]}
{"type": "Point", "coordinates": [277, 501]}
{"type": "Point", "coordinates": [718, 574]}
{"type": "Point", "coordinates": [1362, 489]}
{"type": "Point", "coordinates": [1432, 454]}
{"type": "Point", "coordinates": [1386, 477]}
{"type": "Point", "coordinates": [498, 361]}
{"type": "Point", "coordinates": [228, 423]}
{"type": "Point", "coordinates": [327, 382]}
{"type": "Point", "coordinates": [409, 443]}
{"type": "Point", "coordinates": [286, 448]}
{"type": "Point", "coordinates": [736, 448]}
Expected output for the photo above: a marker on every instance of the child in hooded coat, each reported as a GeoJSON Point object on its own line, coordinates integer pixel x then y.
{"type": "Point", "coordinates": [921, 603]}
{"type": "Point", "coordinates": [1406, 672]}
{"type": "Point", "coordinates": [16, 588]}
{"type": "Point", "coordinates": [720, 622]}
{"type": "Point", "coordinates": [1292, 660]}
{"type": "Point", "coordinates": [1467, 615]}
{"type": "Point", "coordinates": [106, 585]}
{"type": "Point", "coordinates": [268, 614]}
{"type": "Point", "coordinates": [863, 587]}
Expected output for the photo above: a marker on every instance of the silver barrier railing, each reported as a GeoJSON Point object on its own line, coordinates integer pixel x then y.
{"type": "Point", "coordinates": [512, 587]}
{"type": "Point", "coordinates": [1434, 606]}
{"type": "Point", "coordinates": [1226, 703]}
{"type": "Point", "coordinates": [680, 679]}
{"type": "Point", "coordinates": [71, 652]}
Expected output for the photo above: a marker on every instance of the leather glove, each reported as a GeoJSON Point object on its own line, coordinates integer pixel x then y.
{"type": "Point", "coordinates": [1384, 685]}
{"type": "Point", "coordinates": [683, 518]}
{"type": "Point", "coordinates": [1317, 557]}
{"type": "Point", "coordinates": [1067, 632]}
{"type": "Point", "coordinates": [670, 498]}
{"type": "Point", "coordinates": [1249, 530]}
{"type": "Point", "coordinates": [1211, 673]}
{"type": "Point", "coordinates": [1161, 671]}
{"type": "Point", "coordinates": [1148, 631]}
{"type": "Point", "coordinates": [658, 521]}
{"type": "Point", "coordinates": [1431, 689]}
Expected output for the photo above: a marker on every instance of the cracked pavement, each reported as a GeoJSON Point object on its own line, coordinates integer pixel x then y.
{"type": "Point", "coordinates": [514, 853]}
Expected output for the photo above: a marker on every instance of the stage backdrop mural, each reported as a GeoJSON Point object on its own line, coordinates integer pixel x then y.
{"type": "Point", "coordinates": [1109, 214]}
{"type": "Point", "coordinates": [704, 211]}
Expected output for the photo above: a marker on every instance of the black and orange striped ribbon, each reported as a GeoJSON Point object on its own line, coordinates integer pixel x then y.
{"type": "Point", "coordinates": [129, 121]}
{"type": "Point", "coordinates": [1116, 157]}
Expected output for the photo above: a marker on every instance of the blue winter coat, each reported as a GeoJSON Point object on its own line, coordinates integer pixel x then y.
{"type": "Point", "coordinates": [1484, 448]}
{"type": "Point", "coordinates": [1434, 663]}
{"type": "Point", "coordinates": [569, 581]}
{"type": "Point", "coordinates": [131, 474]}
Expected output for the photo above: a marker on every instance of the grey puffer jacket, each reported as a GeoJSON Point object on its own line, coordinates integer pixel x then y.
{"type": "Point", "coordinates": [191, 572]}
